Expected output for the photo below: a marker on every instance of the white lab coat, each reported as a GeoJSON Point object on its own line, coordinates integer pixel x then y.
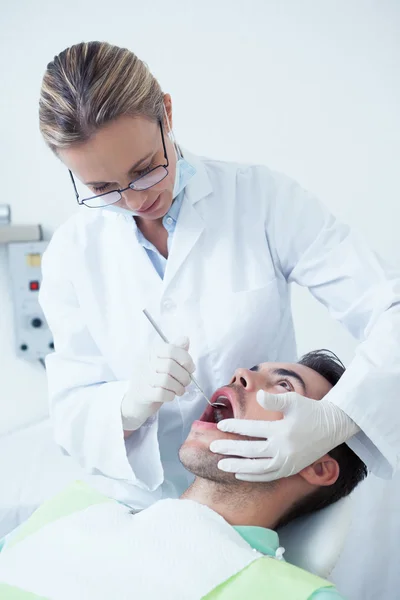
{"type": "Point", "coordinates": [243, 234]}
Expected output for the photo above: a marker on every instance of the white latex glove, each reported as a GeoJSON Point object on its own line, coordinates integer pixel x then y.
{"type": "Point", "coordinates": [309, 429]}
{"type": "Point", "coordinates": [165, 376]}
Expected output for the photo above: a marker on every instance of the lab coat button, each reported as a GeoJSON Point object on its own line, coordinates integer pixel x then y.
{"type": "Point", "coordinates": [169, 220]}
{"type": "Point", "coordinates": [168, 304]}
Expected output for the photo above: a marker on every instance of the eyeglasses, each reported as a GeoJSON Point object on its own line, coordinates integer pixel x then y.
{"type": "Point", "coordinates": [144, 182]}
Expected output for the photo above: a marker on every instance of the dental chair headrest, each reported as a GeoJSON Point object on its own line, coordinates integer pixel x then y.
{"type": "Point", "coordinates": [315, 542]}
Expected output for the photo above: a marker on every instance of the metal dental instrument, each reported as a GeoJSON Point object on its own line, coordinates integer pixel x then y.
{"type": "Point", "coordinates": [162, 336]}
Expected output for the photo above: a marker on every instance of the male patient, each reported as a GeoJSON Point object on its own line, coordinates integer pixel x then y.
{"type": "Point", "coordinates": [216, 542]}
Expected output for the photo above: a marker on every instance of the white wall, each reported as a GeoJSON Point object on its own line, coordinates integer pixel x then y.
{"type": "Point", "coordinates": [309, 88]}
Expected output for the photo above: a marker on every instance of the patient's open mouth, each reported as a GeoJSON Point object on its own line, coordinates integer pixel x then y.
{"type": "Point", "coordinates": [220, 411]}
{"type": "Point", "coordinates": [215, 414]}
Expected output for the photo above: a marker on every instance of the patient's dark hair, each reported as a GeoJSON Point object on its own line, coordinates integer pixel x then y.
{"type": "Point", "coordinates": [352, 469]}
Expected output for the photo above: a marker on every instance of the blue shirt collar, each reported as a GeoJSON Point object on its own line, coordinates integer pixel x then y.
{"type": "Point", "coordinates": [263, 540]}
{"type": "Point", "coordinates": [173, 213]}
{"type": "Point", "coordinates": [175, 207]}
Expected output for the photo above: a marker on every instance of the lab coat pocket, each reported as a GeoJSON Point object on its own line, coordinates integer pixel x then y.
{"type": "Point", "coordinates": [240, 326]}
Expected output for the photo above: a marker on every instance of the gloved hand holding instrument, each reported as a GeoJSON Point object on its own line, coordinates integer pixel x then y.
{"type": "Point", "coordinates": [167, 375]}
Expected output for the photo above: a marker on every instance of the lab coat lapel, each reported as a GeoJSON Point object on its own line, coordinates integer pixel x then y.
{"type": "Point", "coordinates": [190, 224]}
{"type": "Point", "coordinates": [141, 282]}
{"type": "Point", "coordinates": [189, 228]}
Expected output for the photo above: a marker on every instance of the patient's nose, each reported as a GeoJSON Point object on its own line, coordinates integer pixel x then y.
{"type": "Point", "coordinates": [246, 379]}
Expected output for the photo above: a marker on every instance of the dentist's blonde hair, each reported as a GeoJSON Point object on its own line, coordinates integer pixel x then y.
{"type": "Point", "coordinates": [91, 84]}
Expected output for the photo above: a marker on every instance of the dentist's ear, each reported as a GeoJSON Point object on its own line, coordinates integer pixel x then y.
{"type": "Point", "coordinates": [168, 113]}
{"type": "Point", "coordinates": [323, 472]}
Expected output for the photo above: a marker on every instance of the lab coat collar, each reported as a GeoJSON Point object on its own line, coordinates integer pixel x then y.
{"type": "Point", "coordinates": [190, 224]}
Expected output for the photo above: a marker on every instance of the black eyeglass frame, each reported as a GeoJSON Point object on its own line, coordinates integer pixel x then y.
{"type": "Point", "coordinates": [120, 191]}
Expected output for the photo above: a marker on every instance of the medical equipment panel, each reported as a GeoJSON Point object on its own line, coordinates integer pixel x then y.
{"type": "Point", "coordinates": [33, 338]}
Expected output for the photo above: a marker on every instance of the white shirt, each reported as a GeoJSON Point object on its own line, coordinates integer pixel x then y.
{"type": "Point", "coordinates": [244, 233]}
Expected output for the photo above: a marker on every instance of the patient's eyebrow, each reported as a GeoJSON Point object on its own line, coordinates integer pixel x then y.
{"type": "Point", "coordinates": [289, 373]}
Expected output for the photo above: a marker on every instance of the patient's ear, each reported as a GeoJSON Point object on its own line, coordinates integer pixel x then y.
{"type": "Point", "coordinates": [323, 471]}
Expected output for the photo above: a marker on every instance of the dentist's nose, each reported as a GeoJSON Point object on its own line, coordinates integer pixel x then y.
{"type": "Point", "coordinates": [246, 379]}
{"type": "Point", "coordinates": [133, 199]}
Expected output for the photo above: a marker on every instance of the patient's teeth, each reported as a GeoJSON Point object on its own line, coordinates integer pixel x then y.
{"type": "Point", "coordinates": [222, 398]}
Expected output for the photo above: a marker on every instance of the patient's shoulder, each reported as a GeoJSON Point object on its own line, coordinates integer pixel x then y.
{"type": "Point", "coordinates": [267, 578]}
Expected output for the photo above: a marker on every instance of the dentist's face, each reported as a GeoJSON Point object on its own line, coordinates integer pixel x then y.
{"type": "Point", "coordinates": [119, 153]}
{"type": "Point", "coordinates": [239, 396]}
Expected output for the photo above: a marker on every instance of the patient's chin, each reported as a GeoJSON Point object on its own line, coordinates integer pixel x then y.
{"type": "Point", "coordinates": [203, 463]}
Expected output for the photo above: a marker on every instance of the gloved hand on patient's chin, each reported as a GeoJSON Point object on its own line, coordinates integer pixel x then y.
{"type": "Point", "coordinates": [165, 376]}
{"type": "Point", "coordinates": [309, 430]}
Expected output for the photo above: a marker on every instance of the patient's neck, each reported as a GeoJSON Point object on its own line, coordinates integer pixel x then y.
{"type": "Point", "coordinates": [240, 503]}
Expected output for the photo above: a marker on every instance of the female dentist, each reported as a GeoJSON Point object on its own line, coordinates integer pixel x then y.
{"type": "Point", "coordinates": [209, 248]}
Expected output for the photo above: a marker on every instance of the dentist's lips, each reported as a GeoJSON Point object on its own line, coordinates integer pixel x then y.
{"type": "Point", "coordinates": [213, 415]}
